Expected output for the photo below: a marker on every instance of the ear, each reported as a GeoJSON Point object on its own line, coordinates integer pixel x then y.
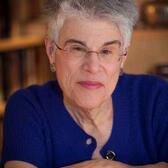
{"type": "Point", "coordinates": [50, 50]}
{"type": "Point", "coordinates": [124, 57]}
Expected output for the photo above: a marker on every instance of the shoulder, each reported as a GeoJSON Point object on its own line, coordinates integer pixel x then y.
{"type": "Point", "coordinates": [149, 88]}
{"type": "Point", "coordinates": [26, 120]}
{"type": "Point", "coordinates": [35, 99]}
{"type": "Point", "coordinates": [151, 93]}
{"type": "Point", "coordinates": [35, 93]}
{"type": "Point", "coordinates": [147, 93]}
{"type": "Point", "coordinates": [150, 96]}
{"type": "Point", "coordinates": [143, 84]}
{"type": "Point", "coordinates": [144, 79]}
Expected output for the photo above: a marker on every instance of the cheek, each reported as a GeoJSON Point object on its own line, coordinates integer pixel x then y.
{"type": "Point", "coordinates": [66, 75]}
{"type": "Point", "coordinates": [112, 78]}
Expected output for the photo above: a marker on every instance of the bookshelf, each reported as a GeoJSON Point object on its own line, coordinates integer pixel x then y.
{"type": "Point", "coordinates": [2, 108]}
{"type": "Point", "coordinates": [34, 64]}
{"type": "Point", "coordinates": [20, 42]}
{"type": "Point", "coordinates": [22, 55]}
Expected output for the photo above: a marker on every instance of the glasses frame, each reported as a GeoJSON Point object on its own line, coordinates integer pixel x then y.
{"type": "Point", "coordinates": [89, 51]}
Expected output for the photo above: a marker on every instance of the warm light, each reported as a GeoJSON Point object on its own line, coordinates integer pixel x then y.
{"type": "Point", "coordinates": [151, 9]}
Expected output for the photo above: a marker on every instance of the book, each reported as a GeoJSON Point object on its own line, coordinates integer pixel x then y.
{"type": "Point", "coordinates": [36, 66]}
{"type": "Point", "coordinates": [5, 18]}
{"type": "Point", "coordinates": [43, 67]}
{"type": "Point", "coordinates": [21, 68]}
{"type": "Point", "coordinates": [30, 67]}
{"type": "Point", "coordinates": [4, 74]}
{"type": "Point", "coordinates": [11, 72]}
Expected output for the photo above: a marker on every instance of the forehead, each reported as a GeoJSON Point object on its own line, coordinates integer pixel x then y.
{"type": "Point", "coordinates": [92, 32]}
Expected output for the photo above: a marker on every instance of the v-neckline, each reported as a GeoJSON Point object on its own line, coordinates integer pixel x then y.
{"type": "Point", "coordinates": [114, 126]}
{"type": "Point", "coordinates": [114, 123]}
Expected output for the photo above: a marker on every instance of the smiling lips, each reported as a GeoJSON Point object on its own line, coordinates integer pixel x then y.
{"type": "Point", "coordinates": [90, 84]}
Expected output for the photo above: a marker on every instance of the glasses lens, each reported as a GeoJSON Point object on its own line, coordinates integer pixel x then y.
{"type": "Point", "coordinates": [110, 52]}
{"type": "Point", "coordinates": [76, 50]}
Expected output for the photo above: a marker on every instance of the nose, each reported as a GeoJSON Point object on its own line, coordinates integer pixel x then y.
{"type": "Point", "coordinates": [91, 63]}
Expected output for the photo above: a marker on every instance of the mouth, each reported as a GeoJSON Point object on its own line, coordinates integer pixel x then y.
{"type": "Point", "coordinates": [90, 84]}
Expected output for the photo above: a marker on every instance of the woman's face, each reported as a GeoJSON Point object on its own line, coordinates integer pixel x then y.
{"type": "Point", "coordinates": [87, 81]}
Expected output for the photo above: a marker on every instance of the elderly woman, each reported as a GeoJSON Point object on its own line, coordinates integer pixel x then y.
{"type": "Point", "coordinates": [93, 115]}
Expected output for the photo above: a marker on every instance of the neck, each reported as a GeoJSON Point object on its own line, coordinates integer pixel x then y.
{"type": "Point", "coordinates": [90, 117]}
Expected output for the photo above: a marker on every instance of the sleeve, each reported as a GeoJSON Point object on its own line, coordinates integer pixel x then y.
{"type": "Point", "coordinates": [23, 138]}
{"type": "Point", "coordinates": [161, 124]}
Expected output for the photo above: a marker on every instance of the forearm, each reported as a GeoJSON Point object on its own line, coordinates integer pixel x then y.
{"type": "Point", "coordinates": [113, 164]}
{"type": "Point", "coordinates": [100, 163]}
{"type": "Point", "coordinates": [157, 165]}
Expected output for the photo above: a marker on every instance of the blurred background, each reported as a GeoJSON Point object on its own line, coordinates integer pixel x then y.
{"type": "Point", "coordinates": [22, 56]}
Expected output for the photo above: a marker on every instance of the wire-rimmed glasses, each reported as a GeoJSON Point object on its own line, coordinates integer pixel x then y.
{"type": "Point", "coordinates": [110, 53]}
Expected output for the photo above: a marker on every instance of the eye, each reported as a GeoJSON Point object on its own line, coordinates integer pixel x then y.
{"type": "Point", "coordinates": [106, 51]}
{"type": "Point", "coordinates": [78, 48]}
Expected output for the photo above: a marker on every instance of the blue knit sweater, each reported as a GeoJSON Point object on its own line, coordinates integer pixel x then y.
{"type": "Point", "coordinates": [39, 130]}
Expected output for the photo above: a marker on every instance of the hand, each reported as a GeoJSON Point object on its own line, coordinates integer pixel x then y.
{"type": "Point", "coordinates": [100, 163]}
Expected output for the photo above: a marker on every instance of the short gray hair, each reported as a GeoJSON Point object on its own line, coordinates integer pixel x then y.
{"type": "Point", "coordinates": [121, 12]}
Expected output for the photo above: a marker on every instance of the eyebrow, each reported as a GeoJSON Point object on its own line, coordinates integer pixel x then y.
{"type": "Point", "coordinates": [84, 44]}
{"type": "Point", "coordinates": [75, 41]}
{"type": "Point", "coordinates": [112, 42]}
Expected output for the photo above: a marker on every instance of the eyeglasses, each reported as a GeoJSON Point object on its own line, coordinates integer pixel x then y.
{"type": "Point", "coordinates": [108, 53]}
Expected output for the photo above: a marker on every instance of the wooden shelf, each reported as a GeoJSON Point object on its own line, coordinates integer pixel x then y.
{"type": "Point", "coordinates": [21, 42]}
{"type": "Point", "coordinates": [2, 109]}
{"type": "Point", "coordinates": [28, 41]}
{"type": "Point", "coordinates": [150, 32]}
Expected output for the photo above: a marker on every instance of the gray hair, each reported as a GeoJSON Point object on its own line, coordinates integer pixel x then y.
{"type": "Point", "coordinates": [121, 12]}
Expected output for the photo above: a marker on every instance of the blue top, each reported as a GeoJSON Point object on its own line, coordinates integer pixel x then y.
{"type": "Point", "coordinates": [39, 130]}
